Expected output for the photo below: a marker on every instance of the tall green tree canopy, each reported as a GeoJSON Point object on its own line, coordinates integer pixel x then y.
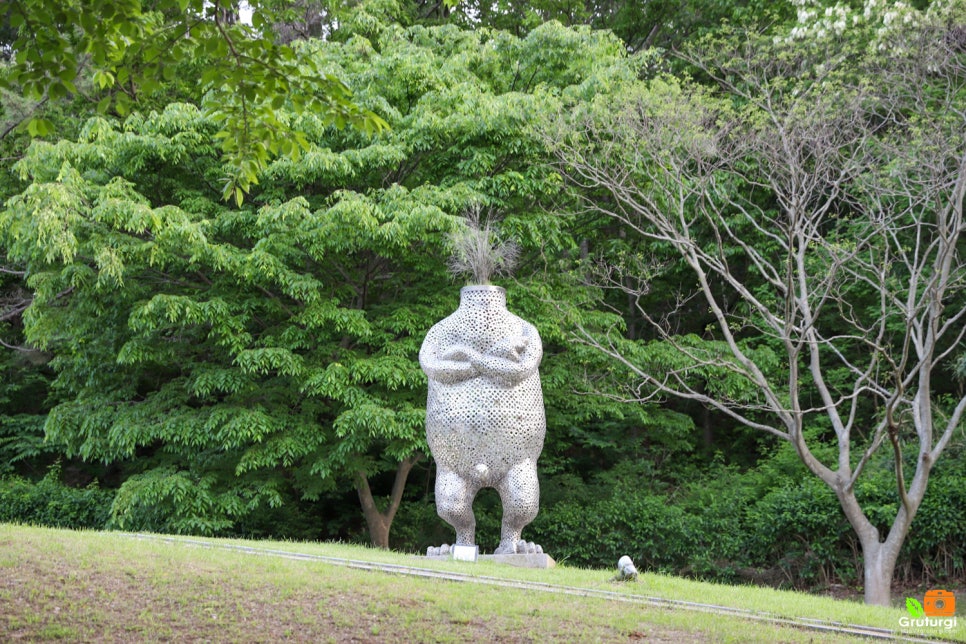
{"type": "Point", "coordinates": [640, 25]}
{"type": "Point", "coordinates": [129, 49]}
{"type": "Point", "coordinates": [239, 352]}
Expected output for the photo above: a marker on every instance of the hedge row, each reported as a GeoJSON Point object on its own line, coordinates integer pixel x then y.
{"type": "Point", "coordinates": [727, 528]}
{"type": "Point", "coordinates": [48, 502]}
{"type": "Point", "coordinates": [793, 535]}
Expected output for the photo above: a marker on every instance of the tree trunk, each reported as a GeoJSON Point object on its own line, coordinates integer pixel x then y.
{"type": "Point", "coordinates": [879, 566]}
{"type": "Point", "coordinates": [879, 557]}
{"type": "Point", "coordinates": [379, 522]}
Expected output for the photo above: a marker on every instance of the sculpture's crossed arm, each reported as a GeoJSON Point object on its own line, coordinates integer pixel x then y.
{"type": "Point", "coordinates": [448, 364]}
{"type": "Point", "coordinates": [513, 358]}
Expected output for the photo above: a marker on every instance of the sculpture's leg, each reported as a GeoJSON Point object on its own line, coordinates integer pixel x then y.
{"type": "Point", "coordinates": [454, 504]}
{"type": "Point", "coordinates": [520, 493]}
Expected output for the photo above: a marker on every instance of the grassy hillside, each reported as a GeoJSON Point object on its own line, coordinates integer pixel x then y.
{"type": "Point", "coordinates": [93, 586]}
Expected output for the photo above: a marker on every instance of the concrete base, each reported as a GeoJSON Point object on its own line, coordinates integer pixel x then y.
{"type": "Point", "coordinates": [465, 553]}
{"type": "Point", "coordinates": [542, 560]}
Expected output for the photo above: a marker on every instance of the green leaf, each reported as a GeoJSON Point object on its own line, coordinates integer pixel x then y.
{"type": "Point", "coordinates": [103, 79]}
{"type": "Point", "coordinates": [40, 127]}
{"type": "Point", "coordinates": [914, 607]}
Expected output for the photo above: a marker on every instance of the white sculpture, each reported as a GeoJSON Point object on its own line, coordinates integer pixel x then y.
{"type": "Point", "coordinates": [485, 420]}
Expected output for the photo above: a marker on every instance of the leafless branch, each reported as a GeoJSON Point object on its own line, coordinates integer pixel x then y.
{"type": "Point", "coordinates": [821, 220]}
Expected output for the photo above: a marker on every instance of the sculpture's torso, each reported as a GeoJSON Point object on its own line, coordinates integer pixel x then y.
{"type": "Point", "coordinates": [482, 421]}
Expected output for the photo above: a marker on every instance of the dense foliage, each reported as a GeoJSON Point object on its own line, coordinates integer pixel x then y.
{"type": "Point", "coordinates": [176, 361]}
{"type": "Point", "coordinates": [49, 502]}
{"type": "Point", "coordinates": [238, 356]}
{"type": "Point", "coordinates": [118, 52]}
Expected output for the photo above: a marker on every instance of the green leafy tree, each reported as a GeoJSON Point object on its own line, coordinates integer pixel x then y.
{"type": "Point", "coordinates": [132, 50]}
{"type": "Point", "coordinates": [237, 354]}
{"type": "Point", "coordinates": [24, 380]}
{"type": "Point", "coordinates": [640, 25]}
{"type": "Point", "coordinates": [234, 352]}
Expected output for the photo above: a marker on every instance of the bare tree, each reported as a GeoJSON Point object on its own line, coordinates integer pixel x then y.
{"type": "Point", "coordinates": [822, 221]}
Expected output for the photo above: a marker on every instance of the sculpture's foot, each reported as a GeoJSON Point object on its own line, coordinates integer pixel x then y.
{"type": "Point", "coordinates": [438, 551]}
{"type": "Point", "coordinates": [520, 547]}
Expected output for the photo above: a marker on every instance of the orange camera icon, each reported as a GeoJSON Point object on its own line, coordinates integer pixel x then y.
{"type": "Point", "coordinates": [939, 603]}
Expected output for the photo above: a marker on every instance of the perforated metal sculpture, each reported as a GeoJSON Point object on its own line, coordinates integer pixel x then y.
{"type": "Point", "coordinates": [485, 420]}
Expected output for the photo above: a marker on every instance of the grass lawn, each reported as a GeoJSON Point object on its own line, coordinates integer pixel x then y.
{"type": "Point", "coordinates": [97, 586]}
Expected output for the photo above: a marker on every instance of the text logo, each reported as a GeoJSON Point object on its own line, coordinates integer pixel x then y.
{"type": "Point", "coordinates": [938, 609]}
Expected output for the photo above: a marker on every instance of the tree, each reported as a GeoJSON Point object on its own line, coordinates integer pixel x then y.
{"type": "Point", "coordinates": [817, 202]}
{"type": "Point", "coordinates": [640, 25]}
{"type": "Point", "coordinates": [131, 50]}
{"type": "Point", "coordinates": [23, 385]}
{"type": "Point", "coordinates": [237, 356]}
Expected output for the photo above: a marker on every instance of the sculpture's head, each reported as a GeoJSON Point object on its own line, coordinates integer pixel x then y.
{"type": "Point", "coordinates": [476, 250]}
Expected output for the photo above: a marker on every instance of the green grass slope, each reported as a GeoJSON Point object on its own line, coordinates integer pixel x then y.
{"type": "Point", "coordinates": [101, 586]}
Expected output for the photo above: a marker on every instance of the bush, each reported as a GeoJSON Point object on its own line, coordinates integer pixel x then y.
{"type": "Point", "coordinates": [654, 533]}
{"type": "Point", "coordinates": [935, 550]}
{"type": "Point", "coordinates": [48, 502]}
{"type": "Point", "coordinates": [797, 535]}
{"type": "Point", "coordinates": [769, 527]}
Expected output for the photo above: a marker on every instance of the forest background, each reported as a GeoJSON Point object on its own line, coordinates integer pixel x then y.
{"type": "Point", "coordinates": [212, 300]}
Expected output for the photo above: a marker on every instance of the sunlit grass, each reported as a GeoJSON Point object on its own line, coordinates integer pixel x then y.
{"type": "Point", "coordinates": [181, 587]}
{"type": "Point", "coordinates": [766, 601]}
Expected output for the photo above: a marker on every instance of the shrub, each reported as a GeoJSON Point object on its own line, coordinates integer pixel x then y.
{"type": "Point", "coordinates": [654, 533]}
{"type": "Point", "coordinates": [935, 550]}
{"type": "Point", "coordinates": [771, 527]}
{"type": "Point", "coordinates": [48, 502]}
{"type": "Point", "coordinates": [798, 529]}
